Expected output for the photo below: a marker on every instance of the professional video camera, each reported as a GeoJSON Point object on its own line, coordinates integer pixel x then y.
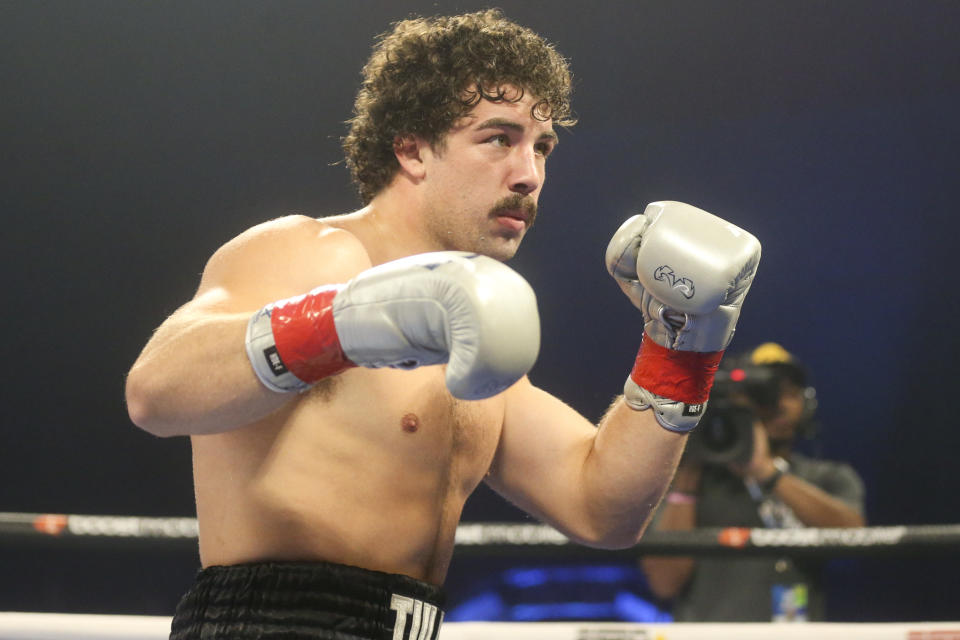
{"type": "Point", "coordinates": [725, 433]}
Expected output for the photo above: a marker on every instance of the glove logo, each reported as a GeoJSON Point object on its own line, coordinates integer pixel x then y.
{"type": "Point", "coordinates": [276, 365]}
{"type": "Point", "coordinates": [692, 410]}
{"type": "Point", "coordinates": [664, 273]}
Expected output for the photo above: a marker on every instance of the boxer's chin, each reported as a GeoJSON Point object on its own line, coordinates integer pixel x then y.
{"type": "Point", "coordinates": [500, 245]}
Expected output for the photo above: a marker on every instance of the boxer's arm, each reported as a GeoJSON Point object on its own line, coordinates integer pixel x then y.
{"type": "Point", "coordinates": [598, 485]}
{"type": "Point", "coordinates": [194, 375]}
{"type": "Point", "coordinates": [688, 272]}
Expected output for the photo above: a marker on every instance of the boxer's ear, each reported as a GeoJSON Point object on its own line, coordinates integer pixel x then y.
{"type": "Point", "coordinates": [408, 150]}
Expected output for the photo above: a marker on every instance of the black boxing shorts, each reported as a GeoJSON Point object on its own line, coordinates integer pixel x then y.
{"type": "Point", "coordinates": [293, 600]}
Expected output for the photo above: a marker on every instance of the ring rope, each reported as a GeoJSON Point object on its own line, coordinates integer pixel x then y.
{"type": "Point", "coordinates": [58, 626]}
{"type": "Point", "coordinates": [508, 537]}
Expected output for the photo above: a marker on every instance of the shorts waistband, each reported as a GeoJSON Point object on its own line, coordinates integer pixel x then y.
{"type": "Point", "coordinates": [307, 600]}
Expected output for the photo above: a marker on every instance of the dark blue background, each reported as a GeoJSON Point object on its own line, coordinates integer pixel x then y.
{"type": "Point", "coordinates": [138, 137]}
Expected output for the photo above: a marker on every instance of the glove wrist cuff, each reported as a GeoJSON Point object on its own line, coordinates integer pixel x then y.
{"type": "Point", "coordinates": [293, 343]}
{"type": "Point", "coordinates": [683, 376]}
{"type": "Point", "coordinates": [671, 415]}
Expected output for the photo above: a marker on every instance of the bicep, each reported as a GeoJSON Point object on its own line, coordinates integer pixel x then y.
{"type": "Point", "coordinates": [543, 446]}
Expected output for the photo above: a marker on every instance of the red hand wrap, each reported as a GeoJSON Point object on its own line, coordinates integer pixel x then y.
{"type": "Point", "coordinates": [685, 376]}
{"type": "Point", "coordinates": [306, 336]}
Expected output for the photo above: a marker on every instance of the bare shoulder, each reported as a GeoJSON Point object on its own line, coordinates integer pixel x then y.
{"type": "Point", "coordinates": [283, 257]}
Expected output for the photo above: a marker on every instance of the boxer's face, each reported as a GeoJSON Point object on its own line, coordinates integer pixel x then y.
{"type": "Point", "coordinates": [482, 183]}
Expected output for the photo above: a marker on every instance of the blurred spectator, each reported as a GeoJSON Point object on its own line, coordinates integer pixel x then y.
{"type": "Point", "coordinates": [741, 469]}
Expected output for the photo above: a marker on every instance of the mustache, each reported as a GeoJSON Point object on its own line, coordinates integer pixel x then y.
{"type": "Point", "coordinates": [514, 203]}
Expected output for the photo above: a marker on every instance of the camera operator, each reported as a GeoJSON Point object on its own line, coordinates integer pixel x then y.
{"type": "Point", "coordinates": [740, 469]}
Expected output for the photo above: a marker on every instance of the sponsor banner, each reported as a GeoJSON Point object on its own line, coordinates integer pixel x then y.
{"type": "Point", "coordinates": [935, 634]}
{"type": "Point", "coordinates": [612, 633]}
{"type": "Point", "coordinates": [52, 524]}
{"type": "Point", "coordinates": [865, 537]}
{"type": "Point", "coordinates": [132, 527]}
{"type": "Point", "coordinates": [513, 534]}
{"type": "Point", "coordinates": [736, 537]}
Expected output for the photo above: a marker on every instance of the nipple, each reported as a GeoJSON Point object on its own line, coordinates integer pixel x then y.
{"type": "Point", "coordinates": [410, 423]}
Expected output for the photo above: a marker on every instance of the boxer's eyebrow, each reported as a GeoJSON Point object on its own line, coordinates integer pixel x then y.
{"type": "Point", "coordinates": [504, 123]}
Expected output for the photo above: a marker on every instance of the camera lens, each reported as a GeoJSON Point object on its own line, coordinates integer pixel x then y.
{"type": "Point", "coordinates": [718, 434]}
{"type": "Point", "coordinates": [724, 435]}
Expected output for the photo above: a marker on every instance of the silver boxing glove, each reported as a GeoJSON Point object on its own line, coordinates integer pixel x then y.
{"type": "Point", "coordinates": [688, 272]}
{"type": "Point", "coordinates": [466, 310]}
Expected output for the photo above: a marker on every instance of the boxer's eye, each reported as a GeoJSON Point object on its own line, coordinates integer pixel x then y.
{"type": "Point", "coordinates": [501, 140]}
{"type": "Point", "coordinates": [544, 149]}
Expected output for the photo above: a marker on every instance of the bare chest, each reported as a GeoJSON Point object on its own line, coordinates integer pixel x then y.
{"type": "Point", "coordinates": [371, 469]}
{"type": "Point", "coordinates": [407, 419]}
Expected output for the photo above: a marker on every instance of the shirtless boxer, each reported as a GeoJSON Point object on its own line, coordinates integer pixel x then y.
{"type": "Point", "coordinates": [348, 381]}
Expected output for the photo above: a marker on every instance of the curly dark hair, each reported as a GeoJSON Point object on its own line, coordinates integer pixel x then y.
{"type": "Point", "coordinates": [426, 73]}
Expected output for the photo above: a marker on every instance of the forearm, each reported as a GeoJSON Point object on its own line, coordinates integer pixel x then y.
{"type": "Point", "coordinates": [194, 377]}
{"type": "Point", "coordinates": [814, 506]}
{"type": "Point", "coordinates": [601, 486]}
{"type": "Point", "coordinates": [627, 471]}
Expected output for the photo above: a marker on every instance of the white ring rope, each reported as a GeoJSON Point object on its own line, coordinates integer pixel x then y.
{"type": "Point", "coordinates": [47, 626]}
